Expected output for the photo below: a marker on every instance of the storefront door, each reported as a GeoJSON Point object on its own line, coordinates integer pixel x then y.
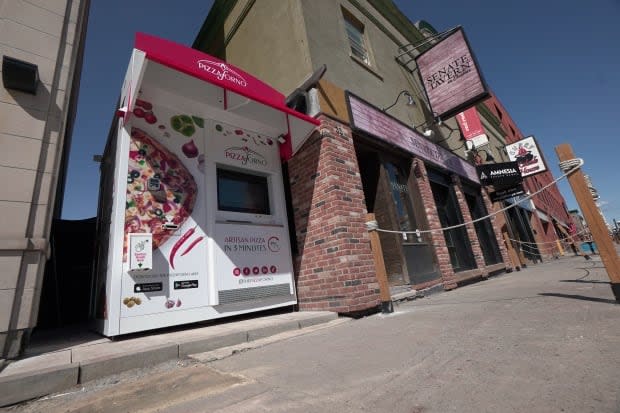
{"type": "Point", "coordinates": [519, 220]}
{"type": "Point", "coordinates": [484, 229]}
{"type": "Point", "coordinates": [459, 247]}
{"type": "Point", "coordinates": [391, 194]}
{"type": "Point", "coordinates": [417, 250]}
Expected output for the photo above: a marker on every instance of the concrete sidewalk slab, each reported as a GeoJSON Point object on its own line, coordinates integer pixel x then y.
{"type": "Point", "coordinates": [207, 344]}
{"type": "Point", "coordinates": [24, 386]}
{"type": "Point", "coordinates": [59, 366]}
{"type": "Point", "coordinates": [115, 363]}
{"type": "Point", "coordinates": [32, 364]}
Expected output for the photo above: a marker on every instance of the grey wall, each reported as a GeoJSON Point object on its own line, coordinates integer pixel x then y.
{"type": "Point", "coordinates": [47, 33]}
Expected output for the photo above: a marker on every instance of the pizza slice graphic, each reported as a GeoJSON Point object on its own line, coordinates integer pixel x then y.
{"type": "Point", "coordinates": [160, 190]}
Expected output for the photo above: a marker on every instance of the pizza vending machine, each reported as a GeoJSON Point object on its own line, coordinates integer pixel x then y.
{"type": "Point", "coordinates": [192, 221]}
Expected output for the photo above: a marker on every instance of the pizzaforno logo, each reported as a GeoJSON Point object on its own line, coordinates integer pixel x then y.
{"type": "Point", "coordinates": [222, 72]}
{"type": "Point", "coordinates": [245, 155]}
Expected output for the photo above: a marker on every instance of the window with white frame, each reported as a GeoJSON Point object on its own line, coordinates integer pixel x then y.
{"type": "Point", "coordinates": [355, 34]}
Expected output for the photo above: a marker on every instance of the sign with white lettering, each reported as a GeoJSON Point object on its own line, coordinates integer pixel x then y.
{"type": "Point", "coordinates": [470, 124]}
{"type": "Point", "coordinates": [500, 175]}
{"type": "Point", "coordinates": [506, 193]}
{"type": "Point", "coordinates": [450, 75]}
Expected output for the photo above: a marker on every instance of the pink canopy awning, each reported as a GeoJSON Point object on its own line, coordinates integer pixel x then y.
{"type": "Point", "coordinates": [232, 89]}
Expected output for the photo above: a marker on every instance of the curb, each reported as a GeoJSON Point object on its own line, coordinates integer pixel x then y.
{"type": "Point", "coordinates": [25, 386]}
{"type": "Point", "coordinates": [108, 365]}
{"type": "Point", "coordinates": [416, 294]}
{"type": "Point", "coordinates": [19, 387]}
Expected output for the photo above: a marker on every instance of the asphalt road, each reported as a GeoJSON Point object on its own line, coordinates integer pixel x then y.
{"type": "Point", "coordinates": [545, 339]}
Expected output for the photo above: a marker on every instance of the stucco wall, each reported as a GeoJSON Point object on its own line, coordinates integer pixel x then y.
{"type": "Point", "coordinates": [277, 26]}
{"type": "Point", "coordinates": [384, 78]}
{"type": "Point", "coordinates": [46, 33]}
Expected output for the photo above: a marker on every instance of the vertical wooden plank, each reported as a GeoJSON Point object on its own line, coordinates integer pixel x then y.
{"type": "Point", "coordinates": [594, 220]}
{"type": "Point", "coordinates": [514, 257]}
{"type": "Point", "coordinates": [377, 255]}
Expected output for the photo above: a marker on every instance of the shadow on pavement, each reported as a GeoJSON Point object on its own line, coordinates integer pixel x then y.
{"type": "Point", "coordinates": [580, 297]}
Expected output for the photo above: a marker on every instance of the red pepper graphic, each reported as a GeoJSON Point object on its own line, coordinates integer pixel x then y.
{"type": "Point", "coordinates": [178, 244]}
{"type": "Point", "coordinates": [192, 245]}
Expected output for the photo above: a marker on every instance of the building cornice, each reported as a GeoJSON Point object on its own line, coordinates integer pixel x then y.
{"type": "Point", "coordinates": [214, 22]}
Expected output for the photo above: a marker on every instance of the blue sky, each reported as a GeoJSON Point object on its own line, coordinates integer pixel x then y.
{"type": "Point", "coordinates": [553, 64]}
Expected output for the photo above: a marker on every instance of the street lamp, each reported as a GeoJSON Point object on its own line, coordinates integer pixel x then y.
{"type": "Point", "coordinates": [427, 131]}
{"type": "Point", "coordinates": [410, 100]}
{"type": "Point", "coordinates": [489, 157]}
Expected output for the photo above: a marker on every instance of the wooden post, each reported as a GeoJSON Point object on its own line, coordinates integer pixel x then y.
{"type": "Point", "coordinates": [514, 257]}
{"type": "Point", "coordinates": [593, 218]}
{"type": "Point", "coordinates": [377, 255]}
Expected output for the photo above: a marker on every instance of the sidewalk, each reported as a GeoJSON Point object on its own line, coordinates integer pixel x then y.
{"type": "Point", "coordinates": [57, 363]}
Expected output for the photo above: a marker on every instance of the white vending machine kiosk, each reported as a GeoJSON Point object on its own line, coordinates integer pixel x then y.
{"type": "Point", "coordinates": [192, 215]}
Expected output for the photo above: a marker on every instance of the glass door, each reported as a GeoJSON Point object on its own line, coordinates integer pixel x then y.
{"type": "Point", "coordinates": [418, 252]}
{"type": "Point", "coordinates": [484, 228]}
{"type": "Point", "coordinates": [457, 241]}
{"type": "Point", "coordinates": [392, 195]}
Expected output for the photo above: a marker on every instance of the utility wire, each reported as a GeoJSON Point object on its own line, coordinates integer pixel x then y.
{"type": "Point", "coordinates": [549, 242]}
{"type": "Point", "coordinates": [568, 167]}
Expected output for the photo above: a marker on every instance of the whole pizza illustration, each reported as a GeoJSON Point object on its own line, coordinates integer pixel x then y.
{"type": "Point", "coordinates": [160, 190]}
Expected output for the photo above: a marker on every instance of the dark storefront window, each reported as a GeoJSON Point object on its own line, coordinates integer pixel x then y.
{"type": "Point", "coordinates": [484, 228]}
{"type": "Point", "coordinates": [459, 247]}
{"type": "Point", "coordinates": [397, 178]}
{"type": "Point", "coordinates": [519, 219]}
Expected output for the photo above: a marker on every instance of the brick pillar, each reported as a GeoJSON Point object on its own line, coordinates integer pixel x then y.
{"type": "Point", "coordinates": [334, 266]}
{"type": "Point", "coordinates": [470, 229]}
{"type": "Point", "coordinates": [437, 237]}
{"type": "Point", "coordinates": [495, 223]}
{"type": "Point", "coordinates": [546, 246]}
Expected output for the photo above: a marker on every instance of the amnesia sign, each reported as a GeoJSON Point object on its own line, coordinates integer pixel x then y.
{"type": "Point", "coordinates": [500, 175]}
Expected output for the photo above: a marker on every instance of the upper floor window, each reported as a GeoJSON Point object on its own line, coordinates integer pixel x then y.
{"type": "Point", "coordinates": [355, 34]}
{"type": "Point", "coordinates": [499, 112]}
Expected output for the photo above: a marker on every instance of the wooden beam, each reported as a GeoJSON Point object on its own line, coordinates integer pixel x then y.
{"type": "Point", "coordinates": [512, 254]}
{"type": "Point", "coordinates": [593, 218]}
{"type": "Point", "coordinates": [377, 255]}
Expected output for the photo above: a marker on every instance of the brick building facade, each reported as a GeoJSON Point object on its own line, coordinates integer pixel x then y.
{"type": "Point", "coordinates": [346, 170]}
{"type": "Point", "coordinates": [334, 265]}
{"type": "Point", "coordinates": [549, 219]}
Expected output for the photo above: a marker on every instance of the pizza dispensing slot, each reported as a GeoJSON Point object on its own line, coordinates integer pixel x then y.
{"type": "Point", "coordinates": [170, 226]}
